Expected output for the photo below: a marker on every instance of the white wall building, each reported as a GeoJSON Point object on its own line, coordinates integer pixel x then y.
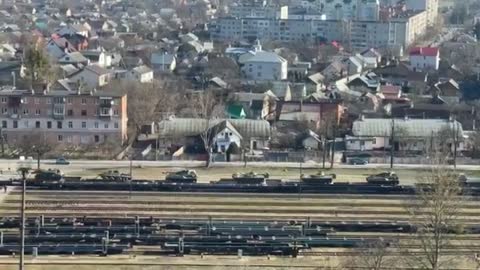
{"type": "Point", "coordinates": [424, 58]}
{"type": "Point", "coordinates": [359, 35]}
{"type": "Point", "coordinates": [263, 65]}
{"type": "Point", "coordinates": [430, 6]}
{"type": "Point", "coordinates": [416, 135]}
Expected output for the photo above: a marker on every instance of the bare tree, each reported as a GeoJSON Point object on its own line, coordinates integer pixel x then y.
{"type": "Point", "coordinates": [34, 144]}
{"type": "Point", "coordinates": [207, 107]}
{"type": "Point", "coordinates": [373, 255]}
{"type": "Point", "coordinates": [434, 213]}
{"type": "Point", "coordinates": [37, 66]}
{"type": "Point", "coordinates": [145, 102]}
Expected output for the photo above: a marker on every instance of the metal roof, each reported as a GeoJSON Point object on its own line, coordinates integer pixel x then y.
{"type": "Point", "coordinates": [382, 127]}
{"type": "Point", "coordinates": [181, 127]}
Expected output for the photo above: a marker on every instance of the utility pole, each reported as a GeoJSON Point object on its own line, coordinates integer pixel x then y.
{"type": "Point", "coordinates": [392, 143]}
{"type": "Point", "coordinates": [332, 158]}
{"type": "Point", "coordinates": [455, 139]}
{"type": "Point", "coordinates": [21, 264]}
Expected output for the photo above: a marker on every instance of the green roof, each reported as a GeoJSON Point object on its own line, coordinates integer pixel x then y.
{"type": "Point", "coordinates": [236, 111]}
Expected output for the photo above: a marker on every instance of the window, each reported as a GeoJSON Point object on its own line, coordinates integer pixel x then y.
{"type": "Point", "coordinates": [60, 138]}
{"type": "Point", "coordinates": [84, 124]}
{"type": "Point", "coordinates": [70, 112]}
{"type": "Point", "coordinates": [49, 101]}
{"type": "Point", "coordinates": [105, 125]}
{"type": "Point", "coordinates": [115, 125]}
{"type": "Point", "coordinates": [37, 100]}
{"type": "Point", "coordinates": [115, 112]}
{"type": "Point", "coordinates": [4, 124]}
{"type": "Point", "coordinates": [15, 124]}
{"type": "Point", "coordinates": [15, 110]}
{"type": "Point", "coordinates": [37, 124]}
{"type": "Point", "coordinates": [4, 110]}
{"type": "Point", "coordinates": [25, 111]}
{"type": "Point", "coordinates": [59, 124]}
{"type": "Point", "coordinates": [49, 124]}
{"type": "Point", "coordinates": [69, 139]}
{"type": "Point", "coordinates": [84, 101]}
{"type": "Point", "coordinates": [4, 100]}
{"type": "Point", "coordinates": [97, 138]}
{"type": "Point", "coordinates": [84, 112]}
{"type": "Point", "coordinates": [58, 110]}
{"type": "Point", "coordinates": [96, 124]}
{"type": "Point", "coordinates": [69, 101]}
{"type": "Point", "coordinates": [105, 111]}
{"type": "Point", "coordinates": [25, 100]}
{"type": "Point", "coordinates": [58, 100]}
{"type": "Point", "coordinates": [70, 124]}
{"type": "Point", "coordinates": [37, 112]}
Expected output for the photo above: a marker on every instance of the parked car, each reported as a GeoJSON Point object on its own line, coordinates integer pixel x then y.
{"type": "Point", "coordinates": [357, 161]}
{"type": "Point", "coordinates": [62, 161]}
{"type": "Point", "coordinates": [384, 178]}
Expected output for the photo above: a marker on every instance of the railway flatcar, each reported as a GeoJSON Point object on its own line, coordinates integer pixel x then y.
{"type": "Point", "coordinates": [183, 176]}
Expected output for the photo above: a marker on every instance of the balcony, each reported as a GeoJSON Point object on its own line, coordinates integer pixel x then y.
{"type": "Point", "coordinates": [59, 111]}
{"type": "Point", "coordinates": [106, 112]}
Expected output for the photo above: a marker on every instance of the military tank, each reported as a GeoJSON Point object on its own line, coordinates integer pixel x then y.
{"type": "Point", "coordinates": [115, 176]}
{"type": "Point", "coordinates": [48, 175]}
{"type": "Point", "coordinates": [183, 176]}
{"type": "Point", "coordinates": [318, 179]}
{"type": "Point", "coordinates": [250, 178]}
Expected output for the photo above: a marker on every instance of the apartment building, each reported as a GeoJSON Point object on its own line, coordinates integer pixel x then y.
{"type": "Point", "coordinates": [402, 29]}
{"type": "Point", "coordinates": [429, 6]}
{"type": "Point", "coordinates": [64, 117]}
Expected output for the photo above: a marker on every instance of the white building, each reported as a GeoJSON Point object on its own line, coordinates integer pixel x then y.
{"type": "Point", "coordinates": [163, 61]}
{"type": "Point", "coordinates": [430, 6]}
{"type": "Point", "coordinates": [91, 77]}
{"type": "Point", "coordinates": [402, 30]}
{"type": "Point", "coordinates": [261, 65]}
{"type": "Point", "coordinates": [411, 134]}
{"type": "Point", "coordinates": [142, 74]}
{"type": "Point", "coordinates": [424, 58]}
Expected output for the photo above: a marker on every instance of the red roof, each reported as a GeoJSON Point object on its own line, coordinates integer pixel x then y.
{"type": "Point", "coordinates": [390, 89]}
{"type": "Point", "coordinates": [424, 51]}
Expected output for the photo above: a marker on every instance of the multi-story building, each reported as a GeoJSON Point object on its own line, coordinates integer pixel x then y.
{"type": "Point", "coordinates": [64, 117]}
{"type": "Point", "coordinates": [402, 30]}
{"type": "Point", "coordinates": [429, 6]}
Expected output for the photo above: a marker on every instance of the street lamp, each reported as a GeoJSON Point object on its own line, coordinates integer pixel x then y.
{"type": "Point", "coordinates": [24, 172]}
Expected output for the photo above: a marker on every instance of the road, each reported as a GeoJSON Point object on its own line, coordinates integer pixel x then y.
{"type": "Point", "coordinates": [110, 164]}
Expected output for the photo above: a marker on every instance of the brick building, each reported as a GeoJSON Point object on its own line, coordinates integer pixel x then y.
{"type": "Point", "coordinates": [64, 117]}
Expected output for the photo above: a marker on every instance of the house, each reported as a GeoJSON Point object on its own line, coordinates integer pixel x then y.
{"type": "Point", "coordinates": [364, 83]}
{"type": "Point", "coordinates": [7, 51]}
{"type": "Point", "coordinates": [412, 134]}
{"type": "Point", "coordinates": [73, 29]}
{"type": "Point", "coordinates": [98, 57]}
{"type": "Point", "coordinates": [265, 66]}
{"type": "Point", "coordinates": [58, 47]}
{"type": "Point", "coordinates": [10, 71]}
{"type": "Point", "coordinates": [92, 77]}
{"type": "Point", "coordinates": [315, 83]}
{"type": "Point", "coordinates": [354, 65]}
{"type": "Point", "coordinates": [334, 70]}
{"type": "Point", "coordinates": [448, 88]}
{"type": "Point", "coordinates": [392, 94]}
{"type": "Point", "coordinates": [311, 110]}
{"type": "Point", "coordinates": [142, 74]}
{"type": "Point", "coordinates": [184, 133]}
{"type": "Point", "coordinates": [424, 58]}
{"type": "Point", "coordinates": [163, 61]}
{"type": "Point", "coordinates": [257, 105]}
{"type": "Point", "coordinates": [75, 58]}
{"type": "Point", "coordinates": [372, 56]}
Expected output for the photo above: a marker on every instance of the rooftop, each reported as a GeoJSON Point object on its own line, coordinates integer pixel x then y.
{"type": "Point", "coordinates": [425, 51]}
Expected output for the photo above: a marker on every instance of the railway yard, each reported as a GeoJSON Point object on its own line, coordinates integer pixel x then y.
{"type": "Point", "coordinates": [146, 225]}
